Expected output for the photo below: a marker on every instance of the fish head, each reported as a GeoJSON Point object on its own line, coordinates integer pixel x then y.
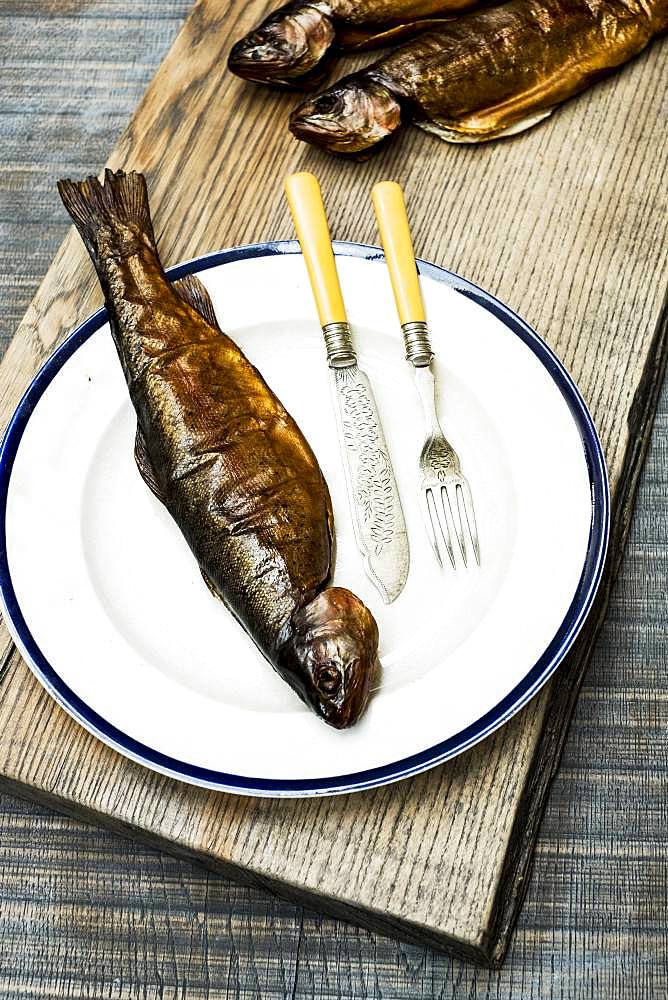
{"type": "Point", "coordinates": [332, 655]}
{"type": "Point", "coordinates": [286, 47]}
{"type": "Point", "coordinates": [351, 116]}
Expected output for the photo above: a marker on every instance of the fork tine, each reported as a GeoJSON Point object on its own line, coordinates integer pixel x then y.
{"type": "Point", "coordinates": [444, 525]}
{"type": "Point", "coordinates": [465, 499]}
{"type": "Point", "coordinates": [429, 523]}
{"type": "Point", "coordinates": [450, 492]}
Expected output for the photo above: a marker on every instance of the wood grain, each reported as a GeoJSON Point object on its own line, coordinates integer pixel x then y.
{"type": "Point", "coordinates": [448, 866]}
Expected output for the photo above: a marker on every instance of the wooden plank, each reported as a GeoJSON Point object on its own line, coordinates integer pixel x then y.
{"type": "Point", "coordinates": [448, 835]}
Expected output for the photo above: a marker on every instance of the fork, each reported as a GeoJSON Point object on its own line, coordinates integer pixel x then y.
{"type": "Point", "coordinates": [445, 496]}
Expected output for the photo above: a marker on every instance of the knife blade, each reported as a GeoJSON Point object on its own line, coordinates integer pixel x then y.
{"type": "Point", "coordinates": [375, 506]}
{"type": "Point", "coordinates": [373, 496]}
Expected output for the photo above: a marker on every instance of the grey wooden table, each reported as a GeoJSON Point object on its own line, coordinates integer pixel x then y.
{"type": "Point", "coordinates": [86, 914]}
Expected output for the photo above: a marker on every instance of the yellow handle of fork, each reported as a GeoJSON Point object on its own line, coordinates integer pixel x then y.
{"type": "Point", "coordinates": [390, 207]}
{"type": "Point", "coordinates": [308, 214]}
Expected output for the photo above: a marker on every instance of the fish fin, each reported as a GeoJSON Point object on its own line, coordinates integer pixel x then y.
{"type": "Point", "coordinates": [192, 291]}
{"type": "Point", "coordinates": [482, 132]}
{"type": "Point", "coordinates": [208, 581]}
{"type": "Point", "coordinates": [332, 534]}
{"type": "Point", "coordinates": [119, 205]}
{"type": "Point", "coordinates": [355, 39]}
{"type": "Point", "coordinates": [145, 466]}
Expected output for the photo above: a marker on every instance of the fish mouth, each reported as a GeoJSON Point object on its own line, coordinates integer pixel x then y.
{"type": "Point", "coordinates": [341, 714]}
{"type": "Point", "coordinates": [286, 48]}
{"type": "Point", "coordinates": [351, 117]}
{"type": "Point", "coordinates": [330, 655]}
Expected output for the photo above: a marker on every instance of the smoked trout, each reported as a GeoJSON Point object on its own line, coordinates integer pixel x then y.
{"type": "Point", "coordinates": [489, 73]}
{"type": "Point", "coordinates": [294, 45]}
{"type": "Point", "coordinates": [219, 450]}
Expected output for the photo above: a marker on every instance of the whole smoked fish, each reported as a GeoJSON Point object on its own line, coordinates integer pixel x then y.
{"type": "Point", "coordinates": [293, 46]}
{"type": "Point", "coordinates": [487, 74]}
{"type": "Point", "coordinates": [219, 450]}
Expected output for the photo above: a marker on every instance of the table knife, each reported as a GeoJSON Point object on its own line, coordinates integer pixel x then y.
{"type": "Point", "coordinates": [375, 506]}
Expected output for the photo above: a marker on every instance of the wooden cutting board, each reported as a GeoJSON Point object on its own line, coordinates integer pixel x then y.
{"type": "Point", "coordinates": [566, 225]}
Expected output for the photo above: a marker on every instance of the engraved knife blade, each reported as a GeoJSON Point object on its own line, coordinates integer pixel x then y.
{"type": "Point", "coordinates": [375, 506]}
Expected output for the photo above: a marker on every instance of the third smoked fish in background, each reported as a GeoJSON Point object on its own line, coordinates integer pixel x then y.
{"type": "Point", "coordinates": [294, 45]}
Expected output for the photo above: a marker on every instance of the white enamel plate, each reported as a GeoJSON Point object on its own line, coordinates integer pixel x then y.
{"type": "Point", "coordinates": [107, 604]}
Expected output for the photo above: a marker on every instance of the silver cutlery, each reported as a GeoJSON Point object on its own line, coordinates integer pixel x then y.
{"type": "Point", "coordinates": [378, 520]}
{"type": "Point", "coordinates": [444, 493]}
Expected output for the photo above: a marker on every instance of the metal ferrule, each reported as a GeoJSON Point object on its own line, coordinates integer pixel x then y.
{"type": "Point", "coordinates": [339, 344]}
{"type": "Point", "coordinates": [418, 346]}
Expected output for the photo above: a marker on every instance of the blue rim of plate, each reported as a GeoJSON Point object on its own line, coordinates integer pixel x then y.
{"type": "Point", "coordinates": [396, 770]}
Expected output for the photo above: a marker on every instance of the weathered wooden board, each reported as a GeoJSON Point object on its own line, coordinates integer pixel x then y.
{"type": "Point", "coordinates": [564, 224]}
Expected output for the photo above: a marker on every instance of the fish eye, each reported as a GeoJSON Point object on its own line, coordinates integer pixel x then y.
{"type": "Point", "coordinates": [328, 680]}
{"type": "Point", "coordinates": [327, 102]}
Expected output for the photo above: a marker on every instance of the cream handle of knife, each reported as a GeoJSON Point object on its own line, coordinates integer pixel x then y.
{"type": "Point", "coordinates": [308, 214]}
{"type": "Point", "coordinates": [395, 234]}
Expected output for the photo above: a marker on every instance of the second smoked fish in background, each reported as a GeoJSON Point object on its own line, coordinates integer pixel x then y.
{"type": "Point", "coordinates": [483, 75]}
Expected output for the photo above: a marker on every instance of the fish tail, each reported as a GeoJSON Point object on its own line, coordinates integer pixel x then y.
{"type": "Point", "coordinates": [117, 208]}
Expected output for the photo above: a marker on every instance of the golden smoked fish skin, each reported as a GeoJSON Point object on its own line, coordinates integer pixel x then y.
{"type": "Point", "coordinates": [294, 45]}
{"type": "Point", "coordinates": [489, 73]}
{"type": "Point", "coordinates": [219, 450]}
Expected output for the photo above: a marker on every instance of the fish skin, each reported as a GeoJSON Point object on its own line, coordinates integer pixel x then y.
{"type": "Point", "coordinates": [295, 44]}
{"type": "Point", "coordinates": [390, 12]}
{"type": "Point", "coordinates": [492, 71]}
{"type": "Point", "coordinates": [218, 448]}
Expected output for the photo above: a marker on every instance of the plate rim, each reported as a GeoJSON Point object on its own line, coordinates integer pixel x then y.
{"type": "Point", "coordinates": [405, 767]}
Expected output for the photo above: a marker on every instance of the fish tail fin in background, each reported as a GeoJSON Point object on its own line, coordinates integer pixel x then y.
{"type": "Point", "coordinates": [117, 208]}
